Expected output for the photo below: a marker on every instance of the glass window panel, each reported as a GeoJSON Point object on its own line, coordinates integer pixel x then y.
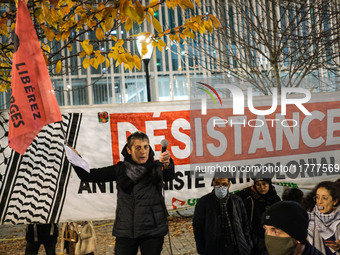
{"type": "Point", "coordinates": [118, 91]}
{"type": "Point", "coordinates": [181, 87]}
{"type": "Point", "coordinates": [59, 91]}
{"type": "Point", "coordinates": [79, 92]}
{"type": "Point", "coordinates": [164, 89]}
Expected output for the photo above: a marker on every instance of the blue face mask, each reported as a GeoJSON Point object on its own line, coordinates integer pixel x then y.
{"type": "Point", "coordinates": [221, 192]}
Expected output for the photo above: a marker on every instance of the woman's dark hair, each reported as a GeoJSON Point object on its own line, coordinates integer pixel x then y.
{"type": "Point", "coordinates": [308, 202]}
{"type": "Point", "coordinates": [138, 135]}
{"type": "Point", "coordinates": [292, 194]}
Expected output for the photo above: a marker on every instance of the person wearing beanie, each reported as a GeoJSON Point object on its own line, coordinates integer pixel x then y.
{"type": "Point", "coordinates": [257, 199]}
{"type": "Point", "coordinates": [286, 228]}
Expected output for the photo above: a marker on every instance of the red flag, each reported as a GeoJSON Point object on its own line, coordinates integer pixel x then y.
{"type": "Point", "coordinates": [33, 102]}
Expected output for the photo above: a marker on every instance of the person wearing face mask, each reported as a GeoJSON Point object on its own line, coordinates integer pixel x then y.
{"type": "Point", "coordinates": [285, 225]}
{"type": "Point", "coordinates": [257, 199]}
{"type": "Point", "coordinates": [220, 222]}
{"type": "Point", "coordinates": [324, 218]}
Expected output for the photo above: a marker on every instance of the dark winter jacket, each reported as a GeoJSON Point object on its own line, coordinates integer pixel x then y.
{"type": "Point", "coordinates": [311, 250]}
{"type": "Point", "coordinates": [207, 223]}
{"type": "Point", "coordinates": [140, 210]}
{"type": "Point", "coordinates": [256, 204]}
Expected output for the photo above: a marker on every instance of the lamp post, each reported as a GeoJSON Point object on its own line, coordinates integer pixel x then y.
{"type": "Point", "coordinates": [146, 41]}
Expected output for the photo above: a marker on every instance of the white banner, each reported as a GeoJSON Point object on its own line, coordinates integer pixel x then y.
{"type": "Point", "coordinates": [294, 149]}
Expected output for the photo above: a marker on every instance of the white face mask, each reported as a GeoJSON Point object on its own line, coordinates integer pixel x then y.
{"type": "Point", "coordinates": [221, 192]}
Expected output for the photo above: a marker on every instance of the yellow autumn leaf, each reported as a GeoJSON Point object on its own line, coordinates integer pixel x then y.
{"type": "Point", "coordinates": [191, 35]}
{"type": "Point", "coordinates": [209, 26]}
{"type": "Point", "coordinates": [113, 54]}
{"type": "Point", "coordinates": [107, 63]}
{"type": "Point", "coordinates": [148, 18]}
{"type": "Point", "coordinates": [80, 10]}
{"type": "Point", "coordinates": [82, 54]}
{"type": "Point", "coordinates": [144, 49]}
{"type": "Point", "coordinates": [138, 62]}
{"type": "Point", "coordinates": [97, 53]}
{"type": "Point", "coordinates": [100, 7]}
{"type": "Point", "coordinates": [69, 47]}
{"type": "Point", "coordinates": [65, 35]}
{"type": "Point", "coordinates": [132, 13]}
{"type": "Point", "coordinates": [123, 6]}
{"type": "Point", "coordinates": [45, 58]}
{"type": "Point", "coordinates": [58, 37]}
{"type": "Point", "coordinates": [215, 21]}
{"type": "Point", "coordinates": [49, 34]}
{"type": "Point", "coordinates": [187, 3]}
{"type": "Point", "coordinates": [86, 62]}
{"type": "Point", "coordinates": [114, 38]}
{"type": "Point", "coordinates": [128, 24]}
{"type": "Point", "coordinates": [161, 43]}
{"type": "Point", "coordinates": [46, 47]}
{"type": "Point", "coordinates": [156, 25]}
{"type": "Point", "coordinates": [87, 48]}
{"type": "Point", "coordinates": [99, 15]}
{"type": "Point", "coordinates": [58, 67]}
{"type": "Point", "coordinates": [140, 10]}
{"type": "Point", "coordinates": [90, 22]}
{"type": "Point", "coordinates": [169, 4]}
{"type": "Point", "coordinates": [66, 10]}
{"type": "Point", "coordinates": [154, 4]}
{"type": "Point", "coordinates": [201, 28]}
{"type": "Point", "coordinates": [99, 33]}
{"type": "Point", "coordinates": [114, 13]}
{"type": "Point", "coordinates": [198, 3]}
{"type": "Point", "coordinates": [120, 42]}
{"type": "Point", "coordinates": [100, 59]}
{"type": "Point", "coordinates": [13, 26]}
{"type": "Point", "coordinates": [151, 12]}
{"type": "Point", "coordinates": [108, 24]}
{"type": "Point", "coordinates": [174, 37]}
{"type": "Point", "coordinates": [94, 62]}
{"type": "Point", "coordinates": [45, 10]}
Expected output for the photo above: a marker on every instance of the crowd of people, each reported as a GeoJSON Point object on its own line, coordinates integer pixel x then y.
{"type": "Point", "coordinates": [260, 223]}
{"type": "Point", "coordinates": [253, 221]}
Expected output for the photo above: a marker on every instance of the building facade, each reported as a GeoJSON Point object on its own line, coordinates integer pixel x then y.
{"type": "Point", "coordinates": [172, 71]}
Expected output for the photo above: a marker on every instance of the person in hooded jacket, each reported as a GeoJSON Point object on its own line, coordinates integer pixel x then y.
{"type": "Point", "coordinates": [141, 215]}
{"type": "Point", "coordinates": [257, 199]}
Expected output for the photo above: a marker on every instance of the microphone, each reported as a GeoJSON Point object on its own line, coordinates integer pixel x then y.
{"type": "Point", "coordinates": [164, 144]}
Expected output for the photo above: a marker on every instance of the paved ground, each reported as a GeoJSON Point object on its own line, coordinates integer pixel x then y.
{"type": "Point", "coordinates": [12, 241]}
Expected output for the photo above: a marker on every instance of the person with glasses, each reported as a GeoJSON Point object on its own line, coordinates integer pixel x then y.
{"type": "Point", "coordinates": [257, 199]}
{"type": "Point", "coordinates": [220, 222]}
{"type": "Point", "coordinates": [324, 218]}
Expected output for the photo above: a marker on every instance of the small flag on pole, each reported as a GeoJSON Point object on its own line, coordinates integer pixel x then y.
{"type": "Point", "coordinates": [33, 103]}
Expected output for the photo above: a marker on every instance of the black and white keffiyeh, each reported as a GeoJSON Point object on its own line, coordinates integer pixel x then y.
{"type": "Point", "coordinates": [326, 224]}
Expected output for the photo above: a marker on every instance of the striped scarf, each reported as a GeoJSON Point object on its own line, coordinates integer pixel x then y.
{"type": "Point", "coordinates": [226, 223]}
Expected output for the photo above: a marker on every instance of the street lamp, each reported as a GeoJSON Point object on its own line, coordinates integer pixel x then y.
{"type": "Point", "coordinates": [146, 41]}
